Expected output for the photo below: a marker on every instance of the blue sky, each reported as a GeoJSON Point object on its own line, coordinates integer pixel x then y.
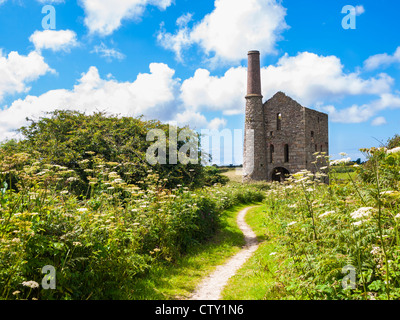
{"type": "Point", "coordinates": [185, 61]}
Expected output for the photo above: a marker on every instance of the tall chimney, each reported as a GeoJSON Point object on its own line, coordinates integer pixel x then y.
{"type": "Point", "coordinates": [255, 144]}
{"type": "Point", "coordinates": [253, 73]}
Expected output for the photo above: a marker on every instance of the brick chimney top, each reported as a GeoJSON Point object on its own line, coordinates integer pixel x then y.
{"type": "Point", "coordinates": [253, 74]}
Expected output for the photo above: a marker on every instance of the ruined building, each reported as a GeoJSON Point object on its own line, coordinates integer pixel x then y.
{"type": "Point", "coordinates": [281, 136]}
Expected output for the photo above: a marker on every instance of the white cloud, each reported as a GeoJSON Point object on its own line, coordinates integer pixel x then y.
{"type": "Point", "coordinates": [108, 53]}
{"type": "Point", "coordinates": [379, 121]}
{"type": "Point", "coordinates": [104, 18]}
{"type": "Point", "coordinates": [194, 120]}
{"type": "Point", "coordinates": [382, 60]}
{"type": "Point", "coordinates": [306, 77]}
{"type": "Point", "coordinates": [206, 92]}
{"type": "Point", "coordinates": [17, 70]}
{"type": "Point", "coordinates": [183, 20]}
{"type": "Point", "coordinates": [311, 78]}
{"type": "Point", "coordinates": [50, 1]}
{"type": "Point", "coordinates": [54, 40]}
{"type": "Point", "coordinates": [150, 94]}
{"type": "Point", "coordinates": [217, 124]}
{"type": "Point", "coordinates": [359, 114]}
{"type": "Point", "coordinates": [231, 29]}
{"type": "Point", "coordinates": [360, 10]}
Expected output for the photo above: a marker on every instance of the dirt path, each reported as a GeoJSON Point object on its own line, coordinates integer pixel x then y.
{"type": "Point", "coordinates": [211, 287]}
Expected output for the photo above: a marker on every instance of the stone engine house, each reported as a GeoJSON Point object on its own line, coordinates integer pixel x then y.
{"type": "Point", "coordinates": [281, 136]}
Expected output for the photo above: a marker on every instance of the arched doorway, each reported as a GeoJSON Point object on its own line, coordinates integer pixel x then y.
{"type": "Point", "coordinates": [280, 174]}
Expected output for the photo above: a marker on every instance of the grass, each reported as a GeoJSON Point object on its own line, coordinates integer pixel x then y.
{"type": "Point", "coordinates": [179, 280]}
{"type": "Point", "coordinates": [234, 174]}
{"type": "Point", "coordinates": [256, 279]}
{"type": "Point", "coordinates": [343, 176]}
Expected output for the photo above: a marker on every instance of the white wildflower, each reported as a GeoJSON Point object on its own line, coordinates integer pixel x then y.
{"type": "Point", "coordinates": [387, 192]}
{"type": "Point", "coordinates": [291, 223]}
{"type": "Point", "coordinates": [30, 284]}
{"type": "Point", "coordinates": [362, 212]}
{"type": "Point", "coordinates": [340, 161]}
{"type": "Point", "coordinates": [394, 150]}
{"type": "Point", "coordinates": [343, 154]}
{"type": "Point", "coordinates": [326, 213]}
{"type": "Point", "coordinates": [375, 250]}
{"type": "Point", "coordinates": [357, 223]}
{"type": "Point", "coordinates": [272, 253]}
{"type": "Point", "coordinates": [82, 209]}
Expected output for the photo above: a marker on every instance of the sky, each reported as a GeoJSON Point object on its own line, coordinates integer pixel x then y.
{"type": "Point", "coordinates": [184, 62]}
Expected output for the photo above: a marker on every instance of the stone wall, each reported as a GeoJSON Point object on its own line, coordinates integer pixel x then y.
{"type": "Point", "coordinates": [279, 134]}
{"type": "Point", "coordinates": [317, 137]}
{"type": "Point", "coordinates": [254, 155]}
{"type": "Point", "coordinates": [291, 133]}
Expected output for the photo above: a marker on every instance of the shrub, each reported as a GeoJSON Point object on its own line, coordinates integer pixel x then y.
{"type": "Point", "coordinates": [100, 243]}
{"type": "Point", "coordinates": [324, 230]}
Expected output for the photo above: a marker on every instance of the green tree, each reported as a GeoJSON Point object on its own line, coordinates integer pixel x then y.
{"type": "Point", "coordinates": [72, 139]}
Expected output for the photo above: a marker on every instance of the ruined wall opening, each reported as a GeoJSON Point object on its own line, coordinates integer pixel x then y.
{"type": "Point", "coordinates": [280, 174]}
{"type": "Point", "coordinates": [279, 121]}
{"type": "Point", "coordinates": [271, 153]}
{"type": "Point", "coordinates": [286, 153]}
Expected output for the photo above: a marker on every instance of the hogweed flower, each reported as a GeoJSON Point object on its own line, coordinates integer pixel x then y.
{"type": "Point", "coordinates": [31, 284]}
{"type": "Point", "coordinates": [362, 212]}
{"type": "Point", "coordinates": [375, 250]}
{"type": "Point", "coordinates": [394, 150]}
{"type": "Point", "coordinates": [387, 192]}
{"type": "Point", "coordinates": [340, 161]}
{"type": "Point", "coordinates": [326, 214]}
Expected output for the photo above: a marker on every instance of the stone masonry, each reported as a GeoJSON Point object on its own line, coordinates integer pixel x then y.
{"type": "Point", "coordinates": [281, 136]}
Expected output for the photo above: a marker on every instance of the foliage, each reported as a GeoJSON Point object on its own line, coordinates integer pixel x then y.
{"type": "Point", "coordinates": [213, 176]}
{"type": "Point", "coordinates": [71, 138]}
{"type": "Point", "coordinates": [393, 142]}
{"type": "Point", "coordinates": [323, 231]}
{"type": "Point", "coordinates": [98, 244]}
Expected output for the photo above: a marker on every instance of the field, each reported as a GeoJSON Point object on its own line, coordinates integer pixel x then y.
{"type": "Point", "coordinates": [113, 228]}
{"type": "Point", "coordinates": [327, 242]}
{"type": "Point", "coordinates": [233, 174]}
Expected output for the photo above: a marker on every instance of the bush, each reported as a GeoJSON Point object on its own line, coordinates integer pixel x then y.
{"type": "Point", "coordinates": [99, 244]}
{"type": "Point", "coordinates": [79, 142]}
{"type": "Point", "coordinates": [323, 231]}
